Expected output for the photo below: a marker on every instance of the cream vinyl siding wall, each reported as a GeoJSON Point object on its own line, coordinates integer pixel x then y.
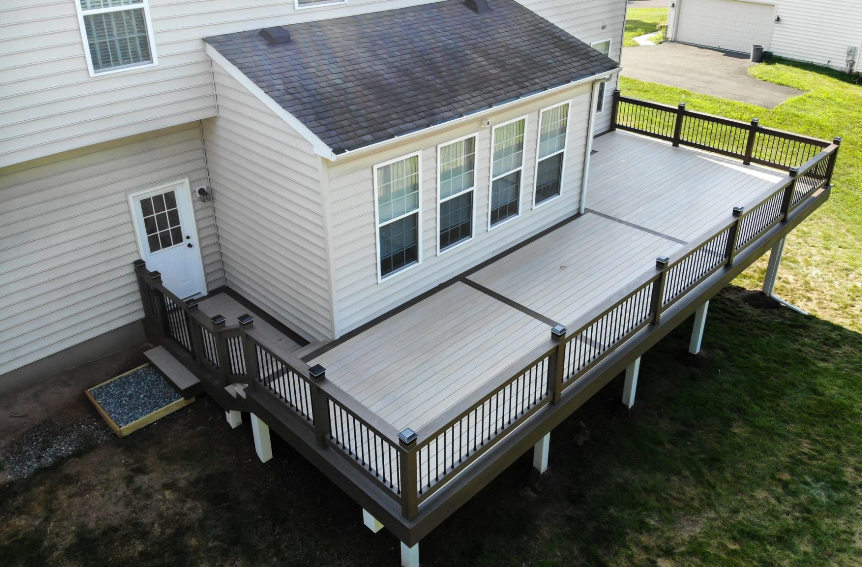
{"type": "Point", "coordinates": [49, 103]}
{"type": "Point", "coordinates": [585, 19]}
{"type": "Point", "coordinates": [266, 187]}
{"type": "Point", "coordinates": [819, 32]}
{"type": "Point", "coordinates": [67, 242]}
{"type": "Point", "coordinates": [358, 296]}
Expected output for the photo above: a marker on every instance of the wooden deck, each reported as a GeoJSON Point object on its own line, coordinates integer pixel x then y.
{"type": "Point", "coordinates": [411, 367]}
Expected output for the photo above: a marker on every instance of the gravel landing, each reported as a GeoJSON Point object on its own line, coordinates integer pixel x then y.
{"type": "Point", "coordinates": [135, 395]}
{"type": "Point", "coordinates": [49, 443]}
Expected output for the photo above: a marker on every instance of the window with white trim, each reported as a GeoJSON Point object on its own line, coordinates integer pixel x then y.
{"type": "Point", "coordinates": [507, 165]}
{"type": "Point", "coordinates": [117, 34]}
{"type": "Point", "coordinates": [456, 183]}
{"type": "Point", "coordinates": [603, 47]}
{"type": "Point", "coordinates": [397, 186]}
{"type": "Point", "coordinates": [312, 3]}
{"type": "Point", "coordinates": [551, 151]}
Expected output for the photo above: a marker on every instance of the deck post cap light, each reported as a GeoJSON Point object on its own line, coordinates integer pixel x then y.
{"type": "Point", "coordinates": [737, 211]}
{"type": "Point", "coordinates": [138, 264]}
{"type": "Point", "coordinates": [558, 332]}
{"type": "Point", "coordinates": [218, 320]}
{"type": "Point", "coordinates": [661, 262]}
{"type": "Point", "coordinates": [755, 121]}
{"type": "Point", "coordinates": [157, 276]}
{"type": "Point", "coordinates": [191, 303]}
{"type": "Point", "coordinates": [837, 141]}
{"type": "Point", "coordinates": [317, 372]}
{"type": "Point", "coordinates": [245, 320]}
{"type": "Point", "coordinates": [407, 436]}
{"type": "Point", "coordinates": [794, 171]}
{"type": "Point", "coordinates": [681, 106]}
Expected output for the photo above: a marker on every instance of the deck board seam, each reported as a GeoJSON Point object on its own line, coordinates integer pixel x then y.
{"type": "Point", "coordinates": [637, 226]}
{"type": "Point", "coordinates": [511, 303]}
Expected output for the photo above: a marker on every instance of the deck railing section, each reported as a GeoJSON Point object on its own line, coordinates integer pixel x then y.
{"type": "Point", "coordinates": [747, 141]}
{"type": "Point", "coordinates": [412, 466]}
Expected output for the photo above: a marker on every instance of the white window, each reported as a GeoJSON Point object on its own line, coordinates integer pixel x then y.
{"type": "Point", "coordinates": [456, 183]}
{"type": "Point", "coordinates": [507, 165]}
{"type": "Point", "coordinates": [603, 47]}
{"type": "Point", "coordinates": [551, 152]}
{"type": "Point", "coordinates": [300, 4]}
{"type": "Point", "coordinates": [117, 34]}
{"type": "Point", "coordinates": [397, 187]}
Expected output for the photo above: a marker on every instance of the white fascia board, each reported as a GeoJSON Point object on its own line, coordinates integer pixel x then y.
{"type": "Point", "coordinates": [320, 147]}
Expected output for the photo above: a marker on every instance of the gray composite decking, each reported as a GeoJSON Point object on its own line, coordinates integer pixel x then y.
{"type": "Point", "coordinates": [646, 199]}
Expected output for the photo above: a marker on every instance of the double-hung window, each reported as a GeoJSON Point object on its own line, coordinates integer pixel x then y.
{"type": "Point", "coordinates": [507, 165]}
{"type": "Point", "coordinates": [117, 34]}
{"type": "Point", "coordinates": [456, 183]}
{"type": "Point", "coordinates": [551, 152]}
{"type": "Point", "coordinates": [603, 47]}
{"type": "Point", "coordinates": [397, 186]}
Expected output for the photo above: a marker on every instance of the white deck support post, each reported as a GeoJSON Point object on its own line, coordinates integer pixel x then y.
{"type": "Point", "coordinates": [697, 332]}
{"type": "Point", "coordinates": [262, 443]}
{"type": "Point", "coordinates": [409, 555]}
{"type": "Point", "coordinates": [631, 385]}
{"type": "Point", "coordinates": [370, 521]}
{"type": "Point", "coordinates": [772, 268]}
{"type": "Point", "coordinates": [540, 454]}
{"type": "Point", "coordinates": [234, 418]}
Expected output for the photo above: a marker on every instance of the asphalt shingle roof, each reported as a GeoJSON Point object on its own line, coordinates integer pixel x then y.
{"type": "Point", "coordinates": [364, 79]}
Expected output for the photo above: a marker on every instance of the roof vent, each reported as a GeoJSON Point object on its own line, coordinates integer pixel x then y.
{"type": "Point", "coordinates": [278, 34]}
{"type": "Point", "coordinates": [478, 6]}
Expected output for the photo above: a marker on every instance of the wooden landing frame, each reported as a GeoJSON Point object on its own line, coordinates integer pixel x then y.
{"type": "Point", "coordinates": [144, 421]}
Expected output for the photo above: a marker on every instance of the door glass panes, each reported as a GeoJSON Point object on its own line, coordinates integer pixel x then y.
{"type": "Point", "coordinates": [507, 162]}
{"type": "Point", "coordinates": [457, 181]}
{"type": "Point", "coordinates": [398, 214]}
{"type": "Point", "coordinates": [161, 221]}
{"type": "Point", "coordinates": [552, 146]}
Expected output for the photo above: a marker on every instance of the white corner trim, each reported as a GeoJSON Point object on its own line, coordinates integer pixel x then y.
{"type": "Point", "coordinates": [320, 148]}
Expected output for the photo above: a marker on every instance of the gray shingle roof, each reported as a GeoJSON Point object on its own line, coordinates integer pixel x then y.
{"type": "Point", "coordinates": [359, 80]}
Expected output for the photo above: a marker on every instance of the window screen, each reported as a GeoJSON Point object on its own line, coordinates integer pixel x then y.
{"type": "Point", "coordinates": [397, 186]}
{"type": "Point", "coordinates": [117, 34]}
{"type": "Point", "coordinates": [553, 126]}
{"type": "Point", "coordinates": [457, 178]}
{"type": "Point", "coordinates": [506, 168]}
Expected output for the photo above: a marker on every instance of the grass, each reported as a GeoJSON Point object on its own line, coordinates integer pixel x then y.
{"type": "Point", "coordinates": [822, 267]}
{"type": "Point", "coordinates": [641, 21]}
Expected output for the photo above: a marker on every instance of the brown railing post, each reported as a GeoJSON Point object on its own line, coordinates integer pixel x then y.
{"type": "Point", "coordinates": [161, 307]}
{"type": "Point", "coordinates": [144, 289]}
{"type": "Point", "coordinates": [677, 129]}
{"type": "Point", "coordinates": [221, 348]}
{"type": "Point", "coordinates": [749, 146]}
{"type": "Point", "coordinates": [658, 289]}
{"type": "Point", "coordinates": [409, 481]}
{"type": "Point", "coordinates": [557, 364]}
{"type": "Point", "coordinates": [832, 160]}
{"type": "Point", "coordinates": [196, 339]}
{"type": "Point", "coordinates": [615, 109]}
{"type": "Point", "coordinates": [252, 370]}
{"type": "Point", "coordinates": [787, 198]}
{"type": "Point", "coordinates": [733, 236]}
{"type": "Point", "coordinates": [320, 406]}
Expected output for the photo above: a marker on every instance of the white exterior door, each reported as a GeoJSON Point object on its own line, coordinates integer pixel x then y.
{"type": "Point", "coordinates": [734, 25]}
{"type": "Point", "coordinates": [167, 237]}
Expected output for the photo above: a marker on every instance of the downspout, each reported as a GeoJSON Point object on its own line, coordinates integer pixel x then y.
{"type": "Point", "coordinates": [591, 127]}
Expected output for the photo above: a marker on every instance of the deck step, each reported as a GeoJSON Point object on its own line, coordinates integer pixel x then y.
{"type": "Point", "coordinates": [180, 377]}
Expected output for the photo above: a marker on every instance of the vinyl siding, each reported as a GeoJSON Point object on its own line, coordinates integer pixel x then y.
{"type": "Point", "coordinates": [358, 296]}
{"type": "Point", "coordinates": [266, 182]}
{"type": "Point", "coordinates": [49, 103]}
{"type": "Point", "coordinates": [67, 242]}
{"type": "Point", "coordinates": [584, 19]}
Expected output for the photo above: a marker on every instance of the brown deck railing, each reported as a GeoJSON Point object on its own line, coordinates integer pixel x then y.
{"type": "Point", "coordinates": [412, 466]}
{"type": "Point", "coordinates": [749, 142]}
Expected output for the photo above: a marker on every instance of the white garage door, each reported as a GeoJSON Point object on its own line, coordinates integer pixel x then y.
{"type": "Point", "coordinates": [727, 24]}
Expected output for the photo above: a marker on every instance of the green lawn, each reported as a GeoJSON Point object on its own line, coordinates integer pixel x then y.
{"type": "Point", "coordinates": [822, 267]}
{"type": "Point", "coordinates": [641, 21]}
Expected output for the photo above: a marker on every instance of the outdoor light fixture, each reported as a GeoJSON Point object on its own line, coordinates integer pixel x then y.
{"type": "Point", "coordinates": [737, 211]}
{"type": "Point", "coordinates": [777, 18]}
{"type": "Point", "coordinates": [218, 320]}
{"type": "Point", "coordinates": [558, 332]}
{"type": "Point", "coordinates": [407, 436]}
{"type": "Point", "coordinates": [203, 194]}
{"type": "Point", "coordinates": [661, 262]}
{"type": "Point", "coordinates": [245, 320]}
{"type": "Point", "coordinates": [317, 372]}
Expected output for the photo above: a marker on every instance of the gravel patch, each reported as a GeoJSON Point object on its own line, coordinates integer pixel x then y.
{"type": "Point", "coordinates": [49, 443]}
{"type": "Point", "coordinates": [135, 395]}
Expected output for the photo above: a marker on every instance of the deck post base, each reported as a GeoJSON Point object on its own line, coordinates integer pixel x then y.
{"type": "Point", "coordinates": [772, 268]}
{"type": "Point", "coordinates": [234, 418]}
{"type": "Point", "coordinates": [540, 454]}
{"type": "Point", "coordinates": [631, 385]}
{"type": "Point", "coordinates": [697, 332]}
{"type": "Point", "coordinates": [370, 521]}
{"type": "Point", "coordinates": [409, 556]}
{"type": "Point", "coordinates": [262, 443]}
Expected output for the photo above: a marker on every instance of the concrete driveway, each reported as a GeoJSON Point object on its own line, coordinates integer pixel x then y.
{"type": "Point", "coordinates": [702, 70]}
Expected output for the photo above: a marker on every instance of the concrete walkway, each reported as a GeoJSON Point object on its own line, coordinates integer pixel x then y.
{"type": "Point", "coordinates": [702, 70]}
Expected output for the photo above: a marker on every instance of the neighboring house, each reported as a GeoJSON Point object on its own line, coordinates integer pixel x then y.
{"type": "Point", "coordinates": [369, 224]}
{"type": "Point", "coordinates": [827, 32]}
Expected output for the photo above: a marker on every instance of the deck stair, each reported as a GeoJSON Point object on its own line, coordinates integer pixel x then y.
{"type": "Point", "coordinates": [179, 377]}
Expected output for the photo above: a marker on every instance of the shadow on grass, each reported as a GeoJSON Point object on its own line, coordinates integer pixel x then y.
{"type": "Point", "coordinates": [748, 454]}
